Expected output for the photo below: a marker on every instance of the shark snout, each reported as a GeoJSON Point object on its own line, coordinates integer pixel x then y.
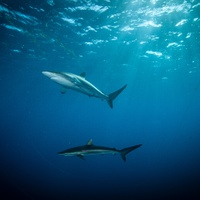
{"type": "Point", "coordinates": [57, 77]}
{"type": "Point", "coordinates": [49, 74]}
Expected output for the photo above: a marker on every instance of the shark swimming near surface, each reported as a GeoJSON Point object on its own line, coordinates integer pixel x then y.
{"type": "Point", "coordinates": [80, 84]}
{"type": "Point", "coordinates": [90, 149]}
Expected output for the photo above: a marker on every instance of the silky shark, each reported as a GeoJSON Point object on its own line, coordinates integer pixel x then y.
{"type": "Point", "coordinates": [90, 149]}
{"type": "Point", "coordinates": [80, 84]}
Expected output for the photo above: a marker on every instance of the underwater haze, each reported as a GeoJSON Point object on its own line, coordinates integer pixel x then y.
{"type": "Point", "coordinates": [153, 46]}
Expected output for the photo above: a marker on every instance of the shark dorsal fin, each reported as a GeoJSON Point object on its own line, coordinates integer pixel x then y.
{"type": "Point", "coordinates": [89, 142]}
{"type": "Point", "coordinates": [83, 74]}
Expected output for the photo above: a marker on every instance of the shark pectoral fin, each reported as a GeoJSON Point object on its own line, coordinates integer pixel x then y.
{"type": "Point", "coordinates": [63, 90]}
{"type": "Point", "coordinates": [81, 157]}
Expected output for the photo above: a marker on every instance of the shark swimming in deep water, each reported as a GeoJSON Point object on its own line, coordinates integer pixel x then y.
{"type": "Point", "coordinates": [90, 149]}
{"type": "Point", "coordinates": [80, 84]}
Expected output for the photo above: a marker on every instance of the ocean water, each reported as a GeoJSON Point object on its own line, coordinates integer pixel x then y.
{"type": "Point", "coordinates": [152, 46]}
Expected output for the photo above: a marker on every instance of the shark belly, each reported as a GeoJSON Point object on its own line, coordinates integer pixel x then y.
{"type": "Point", "coordinates": [96, 151]}
{"type": "Point", "coordinates": [86, 89]}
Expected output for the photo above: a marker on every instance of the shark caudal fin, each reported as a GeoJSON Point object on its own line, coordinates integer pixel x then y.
{"type": "Point", "coordinates": [113, 95]}
{"type": "Point", "coordinates": [125, 151]}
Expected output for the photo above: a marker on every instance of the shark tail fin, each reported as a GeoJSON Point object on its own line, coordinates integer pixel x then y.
{"type": "Point", "coordinates": [113, 95]}
{"type": "Point", "coordinates": [125, 151]}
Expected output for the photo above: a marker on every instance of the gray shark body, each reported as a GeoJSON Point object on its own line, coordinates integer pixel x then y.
{"type": "Point", "coordinates": [90, 149]}
{"type": "Point", "coordinates": [80, 84]}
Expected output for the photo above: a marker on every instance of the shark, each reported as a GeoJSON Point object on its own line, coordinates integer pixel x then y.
{"type": "Point", "coordinates": [80, 84]}
{"type": "Point", "coordinates": [90, 149]}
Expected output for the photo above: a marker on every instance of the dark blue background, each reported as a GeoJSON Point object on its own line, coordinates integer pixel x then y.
{"type": "Point", "coordinates": [153, 46]}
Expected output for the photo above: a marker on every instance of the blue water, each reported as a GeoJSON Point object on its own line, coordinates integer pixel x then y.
{"type": "Point", "coordinates": [152, 46]}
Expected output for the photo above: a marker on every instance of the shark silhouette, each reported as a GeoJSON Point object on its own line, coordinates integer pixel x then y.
{"type": "Point", "coordinates": [80, 84]}
{"type": "Point", "coordinates": [90, 149]}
